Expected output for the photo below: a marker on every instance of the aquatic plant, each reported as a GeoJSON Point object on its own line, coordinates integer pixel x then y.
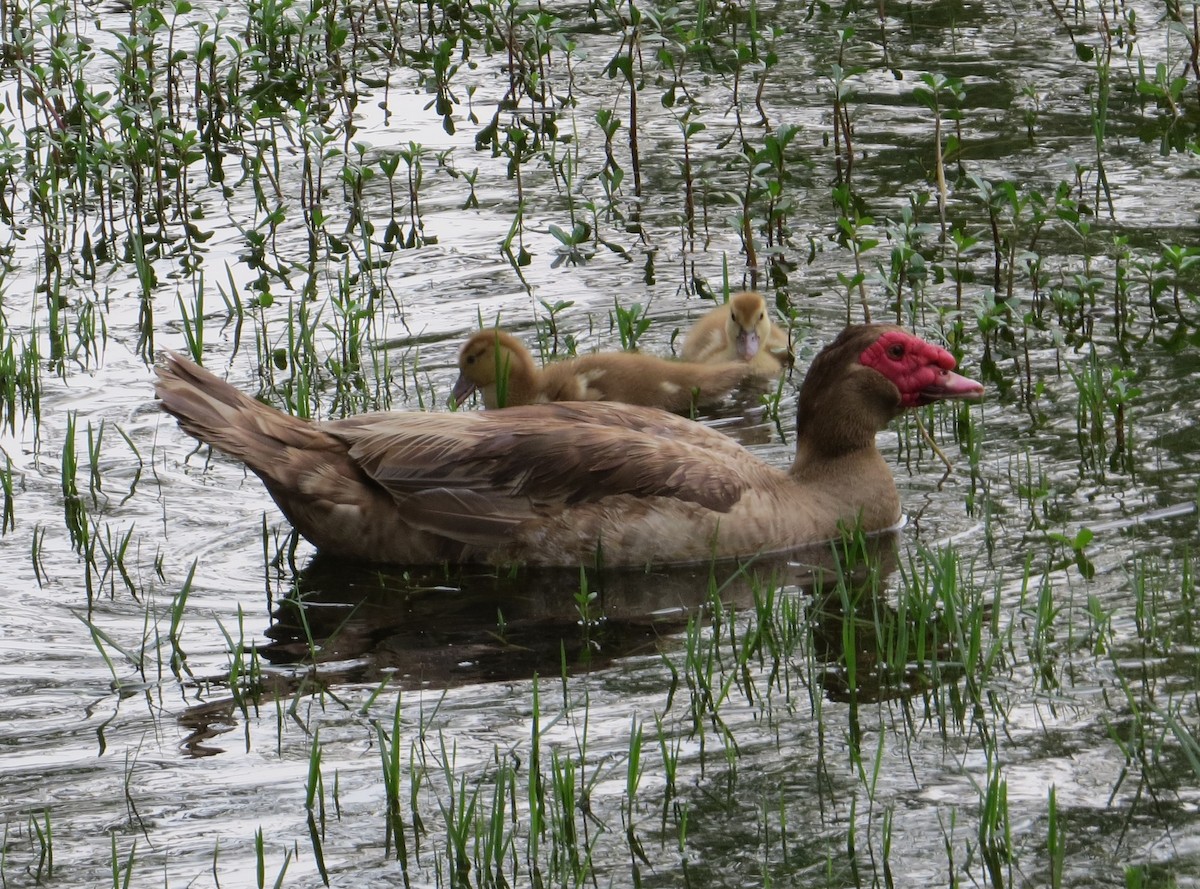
{"type": "Point", "coordinates": [362, 182]}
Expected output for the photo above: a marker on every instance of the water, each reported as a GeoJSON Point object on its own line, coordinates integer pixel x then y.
{"type": "Point", "coordinates": [160, 725]}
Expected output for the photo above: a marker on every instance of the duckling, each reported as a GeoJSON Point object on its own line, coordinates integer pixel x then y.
{"type": "Point", "coordinates": [740, 330]}
{"type": "Point", "coordinates": [498, 365]}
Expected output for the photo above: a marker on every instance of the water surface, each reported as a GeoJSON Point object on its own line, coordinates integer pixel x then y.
{"type": "Point", "coordinates": [166, 695]}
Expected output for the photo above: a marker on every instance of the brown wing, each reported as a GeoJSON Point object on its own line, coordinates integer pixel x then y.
{"type": "Point", "coordinates": [474, 477]}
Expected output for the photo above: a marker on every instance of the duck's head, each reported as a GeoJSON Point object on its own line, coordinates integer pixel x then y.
{"type": "Point", "coordinates": [921, 372]}
{"type": "Point", "coordinates": [749, 325]}
{"type": "Point", "coordinates": [485, 364]}
{"type": "Point", "coordinates": [869, 375]}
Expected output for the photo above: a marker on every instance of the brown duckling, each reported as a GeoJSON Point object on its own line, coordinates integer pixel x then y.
{"type": "Point", "coordinates": [498, 365]}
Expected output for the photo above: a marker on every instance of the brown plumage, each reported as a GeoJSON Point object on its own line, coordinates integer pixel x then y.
{"type": "Point", "coordinates": [569, 483]}
{"type": "Point", "coordinates": [739, 330]}
{"type": "Point", "coordinates": [498, 365]}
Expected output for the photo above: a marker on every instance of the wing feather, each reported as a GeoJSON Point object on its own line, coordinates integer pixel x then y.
{"type": "Point", "coordinates": [476, 477]}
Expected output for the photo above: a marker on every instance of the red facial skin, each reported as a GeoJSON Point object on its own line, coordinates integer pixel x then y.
{"type": "Point", "coordinates": [923, 372]}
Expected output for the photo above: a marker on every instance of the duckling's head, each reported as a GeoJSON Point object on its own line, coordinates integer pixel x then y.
{"type": "Point", "coordinates": [485, 364]}
{"type": "Point", "coordinates": [749, 325]}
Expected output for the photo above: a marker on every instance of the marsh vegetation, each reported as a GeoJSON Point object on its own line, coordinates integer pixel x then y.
{"type": "Point", "coordinates": [320, 200]}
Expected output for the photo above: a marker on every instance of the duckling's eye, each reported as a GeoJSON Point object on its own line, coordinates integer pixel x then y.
{"type": "Point", "coordinates": [470, 359]}
{"type": "Point", "coordinates": [896, 351]}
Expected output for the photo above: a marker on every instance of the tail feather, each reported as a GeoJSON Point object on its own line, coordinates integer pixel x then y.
{"type": "Point", "coordinates": [307, 469]}
{"type": "Point", "coordinates": [213, 411]}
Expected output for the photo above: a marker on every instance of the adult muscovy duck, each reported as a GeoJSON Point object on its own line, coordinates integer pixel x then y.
{"type": "Point", "coordinates": [574, 483]}
{"type": "Point", "coordinates": [498, 365]}
{"type": "Point", "coordinates": [739, 330]}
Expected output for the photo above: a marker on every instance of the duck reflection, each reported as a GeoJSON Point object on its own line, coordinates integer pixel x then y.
{"type": "Point", "coordinates": [444, 629]}
{"type": "Point", "coordinates": [438, 627]}
{"type": "Point", "coordinates": [342, 623]}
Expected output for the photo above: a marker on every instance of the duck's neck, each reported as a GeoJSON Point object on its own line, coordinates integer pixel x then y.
{"type": "Point", "coordinates": [858, 483]}
{"type": "Point", "coordinates": [815, 460]}
{"type": "Point", "coordinates": [837, 461]}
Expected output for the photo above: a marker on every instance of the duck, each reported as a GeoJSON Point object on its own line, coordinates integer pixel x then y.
{"type": "Point", "coordinates": [578, 483]}
{"type": "Point", "coordinates": [498, 366]}
{"type": "Point", "coordinates": [739, 330]}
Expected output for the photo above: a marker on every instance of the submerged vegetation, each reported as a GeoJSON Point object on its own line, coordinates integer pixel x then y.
{"type": "Point", "coordinates": [321, 199]}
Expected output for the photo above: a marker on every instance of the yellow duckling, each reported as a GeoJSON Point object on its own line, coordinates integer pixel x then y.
{"type": "Point", "coordinates": [740, 330]}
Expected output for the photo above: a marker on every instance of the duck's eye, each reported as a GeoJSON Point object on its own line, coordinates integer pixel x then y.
{"type": "Point", "coordinates": [470, 359]}
{"type": "Point", "coordinates": [896, 351]}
